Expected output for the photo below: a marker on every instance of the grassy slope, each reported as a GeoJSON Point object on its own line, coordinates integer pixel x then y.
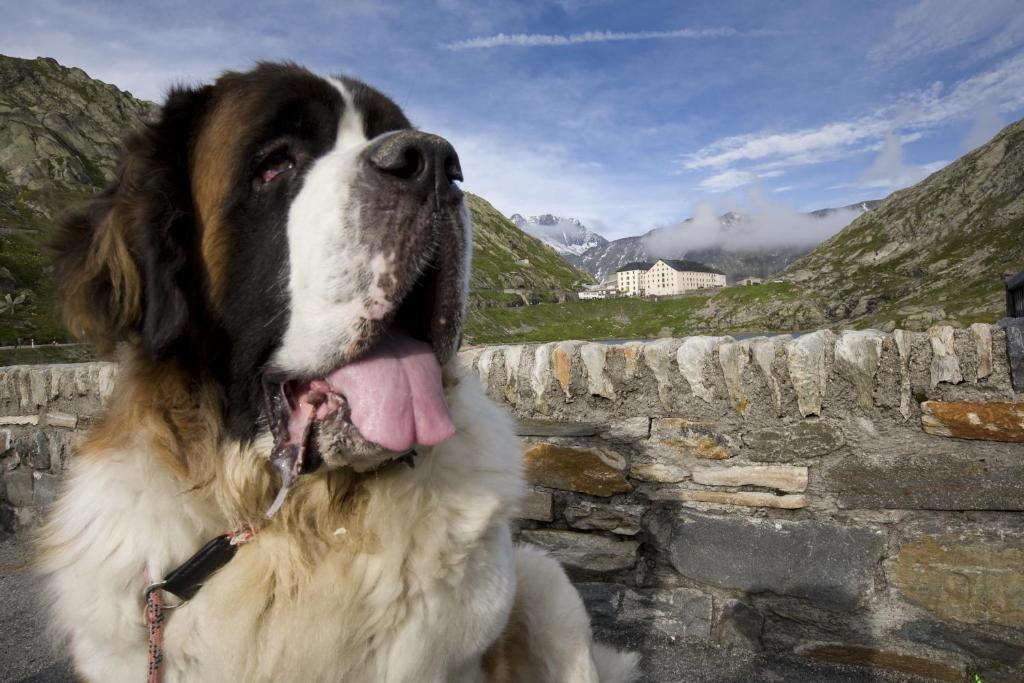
{"type": "Point", "coordinates": [498, 249]}
{"type": "Point", "coordinates": [935, 251]}
{"type": "Point", "coordinates": [734, 310]}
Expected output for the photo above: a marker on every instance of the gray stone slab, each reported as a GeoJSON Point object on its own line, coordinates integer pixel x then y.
{"type": "Point", "coordinates": [805, 439]}
{"type": "Point", "coordinates": [1014, 328]}
{"type": "Point", "coordinates": [945, 476]}
{"type": "Point", "coordinates": [674, 612]}
{"type": "Point", "coordinates": [829, 563]}
{"type": "Point", "coordinates": [532, 427]}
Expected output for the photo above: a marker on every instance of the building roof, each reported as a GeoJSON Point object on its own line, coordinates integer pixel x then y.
{"type": "Point", "coordinates": [690, 266]}
{"type": "Point", "coordinates": [635, 265]}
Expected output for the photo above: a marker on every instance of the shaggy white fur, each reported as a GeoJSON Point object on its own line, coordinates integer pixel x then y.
{"type": "Point", "coordinates": [413, 578]}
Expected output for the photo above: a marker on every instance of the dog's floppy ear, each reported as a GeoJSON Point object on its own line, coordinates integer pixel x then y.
{"type": "Point", "coordinates": [122, 261]}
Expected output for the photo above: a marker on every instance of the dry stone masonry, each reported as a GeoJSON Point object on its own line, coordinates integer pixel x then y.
{"type": "Point", "coordinates": [850, 496]}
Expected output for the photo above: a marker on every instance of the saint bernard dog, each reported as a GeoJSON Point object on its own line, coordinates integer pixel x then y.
{"type": "Point", "coordinates": [281, 267]}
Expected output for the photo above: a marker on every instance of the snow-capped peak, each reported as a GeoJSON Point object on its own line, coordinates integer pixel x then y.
{"type": "Point", "coordinates": [564, 235]}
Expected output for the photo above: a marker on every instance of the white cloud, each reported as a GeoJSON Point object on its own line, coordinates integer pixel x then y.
{"type": "Point", "coordinates": [918, 111]}
{"type": "Point", "coordinates": [732, 179]}
{"type": "Point", "coordinates": [554, 39]}
{"type": "Point", "coordinates": [764, 224]}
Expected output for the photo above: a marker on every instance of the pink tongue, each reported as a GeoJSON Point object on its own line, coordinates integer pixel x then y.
{"type": "Point", "coordinates": [395, 394]}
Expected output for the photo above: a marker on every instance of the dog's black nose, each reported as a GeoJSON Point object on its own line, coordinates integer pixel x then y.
{"type": "Point", "coordinates": [426, 161]}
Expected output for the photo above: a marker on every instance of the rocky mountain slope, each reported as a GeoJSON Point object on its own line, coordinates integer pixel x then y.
{"type": "Point", "coordinates": [568, 236]}
{"type": "Point", "coordinates": [602, 261]}
{"type": "Point", "coordinates": [937, 251]}
{"type": "Point", "coordinates": [60, 132]}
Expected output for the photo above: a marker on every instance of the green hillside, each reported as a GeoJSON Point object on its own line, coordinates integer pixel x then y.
{"type": "Point", "coordinates": [935, 252]}
{"type": "Point", "coordinates": [505, 257]}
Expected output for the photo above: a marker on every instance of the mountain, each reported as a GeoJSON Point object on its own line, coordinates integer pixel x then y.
{"type": "Point", "coordinates": [60, 132]}
{"type": "Point", "coordinates": [937, 251]}
{"type": "Point", "coordinates": [505, 257]}
{"type": "Point", "coordinates": [59, 135]}
{"type": "Point", "coordinates": [763, 262]}
{"type": "Point", "coordinates": [568, 236]}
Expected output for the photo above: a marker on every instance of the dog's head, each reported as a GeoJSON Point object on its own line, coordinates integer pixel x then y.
{"type": "Point", "coordinates": [293, 239]}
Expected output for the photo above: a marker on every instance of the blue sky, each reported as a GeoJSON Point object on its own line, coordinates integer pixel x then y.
{"type": "Point", "coordinates": [626, 115]}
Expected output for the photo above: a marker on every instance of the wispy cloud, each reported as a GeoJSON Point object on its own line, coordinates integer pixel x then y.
{"type": "Point", "coordinates": [933, 26]}
{"type": "Point", "coordinates": [732, 179]}
{"type": "Point", "coordinates": [1003, 86]}
{"type": "Point", "coordinates": [555, 39]}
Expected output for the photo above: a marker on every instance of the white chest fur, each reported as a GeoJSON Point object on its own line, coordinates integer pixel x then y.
{"type": "Point", "coordinates": [414, 590]}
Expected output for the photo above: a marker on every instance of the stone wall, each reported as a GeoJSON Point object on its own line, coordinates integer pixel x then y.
{"type": "Point", "coordinates": [849, 497]}
{"type": "Point", "coordinates": [854, 497]}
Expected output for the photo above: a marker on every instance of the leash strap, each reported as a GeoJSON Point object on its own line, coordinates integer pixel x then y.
{"type": "Point", "coordinates": [184, 582]}
{"type": "Point", "coordinates": [155, 626]}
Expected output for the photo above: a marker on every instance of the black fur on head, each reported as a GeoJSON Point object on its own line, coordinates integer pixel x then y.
{"type": "Point", "coordinates": [123, 262]}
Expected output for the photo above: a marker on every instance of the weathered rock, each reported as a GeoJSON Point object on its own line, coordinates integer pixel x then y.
{"type": "Point", "coordinates": [629, 430]}
{"type": "Point", "coordinates": [485, 364]}
{"type": "Point", "coordinates": [692, 356]}
{"type": "Point", "coordinates": [987, 421]}
{"type": "Point", "coordinates": [39, 451]}
{"type": "Point", "coordinates": [739, 626]}
{"type": "Point", "coordinates": [782, 477]}
{"type": "Point", "coordinates": [513, 359]}
{"type": "Point", "coordinates": [561, 365]}
{"type": "Point", "coordinates": [592, 471]}
{"type": "Point", "coordinates": [540, 376]}
{"type": "Point", "coordinates": [868, 656]}
{"type": "Point", "coordinates": [945, 365]}
{"type": "Point", "coordinates": [584, 553]}
{"type": "Point", "coordinates": [58, 419]}
{"type": "Point", "coordinates": [535, 427]}
{"type": "Point", "coordinates": [665, 473]}
{"type": "Point", "coordinates": [805, 439]}
{"type": "Point", "coordinates": [19, 420]}
{"type": "Point", "coordinates": [835, 566]}
{"type": "Point", "coordinates": [537, 505]}
{"type": "Point", "coordinates": [45, 489]}
{"type": "Point", "coordinates": [658, 356]}
{"type": "Point", "coordinates": [1005, 649]}
{"type": "Point", "coordinates": [982, 336]}
{"type": "Point", "coordinates": [674, 436]}
{"type": "Point", "coordinates": [631, 353]}
{"type": "Point", "coordinates": [18, 484]}
{"type": "Point", "coordinates": [764, 352]}
{"type": "Point", "coordinates": [734, 357]}
{"type": "Point", "coordinates": [594, 358]}
{"type": "Point", "coordinates": [752, 499]}
{"type": "Point", "coordinates": [942, 477]}
{"type": "Point", "coordinates": [618, 519]}
{"type": "Point", "coordinates": [1014, 328]}
{"type": "Point", "coordinates": [857, 356]}
{"type": "Point", "coordinates": [806, 358]}
{"type": "Point", "coordinates": [904, 341]}
{"type": "Point", "coordinates": [970, 574]}
{"type": "Point", "coordinates": [679, 613]}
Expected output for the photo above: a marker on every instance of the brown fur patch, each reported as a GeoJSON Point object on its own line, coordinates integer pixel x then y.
{"type": "Point", "coordinates": [212, 171]}
{"type": "Point", "coordinates": [100, 284]}
{"type": "Point", "coordinates": [508, 659]}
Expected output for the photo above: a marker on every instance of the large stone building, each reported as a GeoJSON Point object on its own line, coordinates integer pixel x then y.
{"type": "Point", "coordinates": [666, 276]}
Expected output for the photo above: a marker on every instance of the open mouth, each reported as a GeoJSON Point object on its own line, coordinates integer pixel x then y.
{"type": "Point", "coordinates": [390, 397]}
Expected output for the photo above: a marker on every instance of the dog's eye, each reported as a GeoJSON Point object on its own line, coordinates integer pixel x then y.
{"type": "Point", "coordinates": [273, 166]}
